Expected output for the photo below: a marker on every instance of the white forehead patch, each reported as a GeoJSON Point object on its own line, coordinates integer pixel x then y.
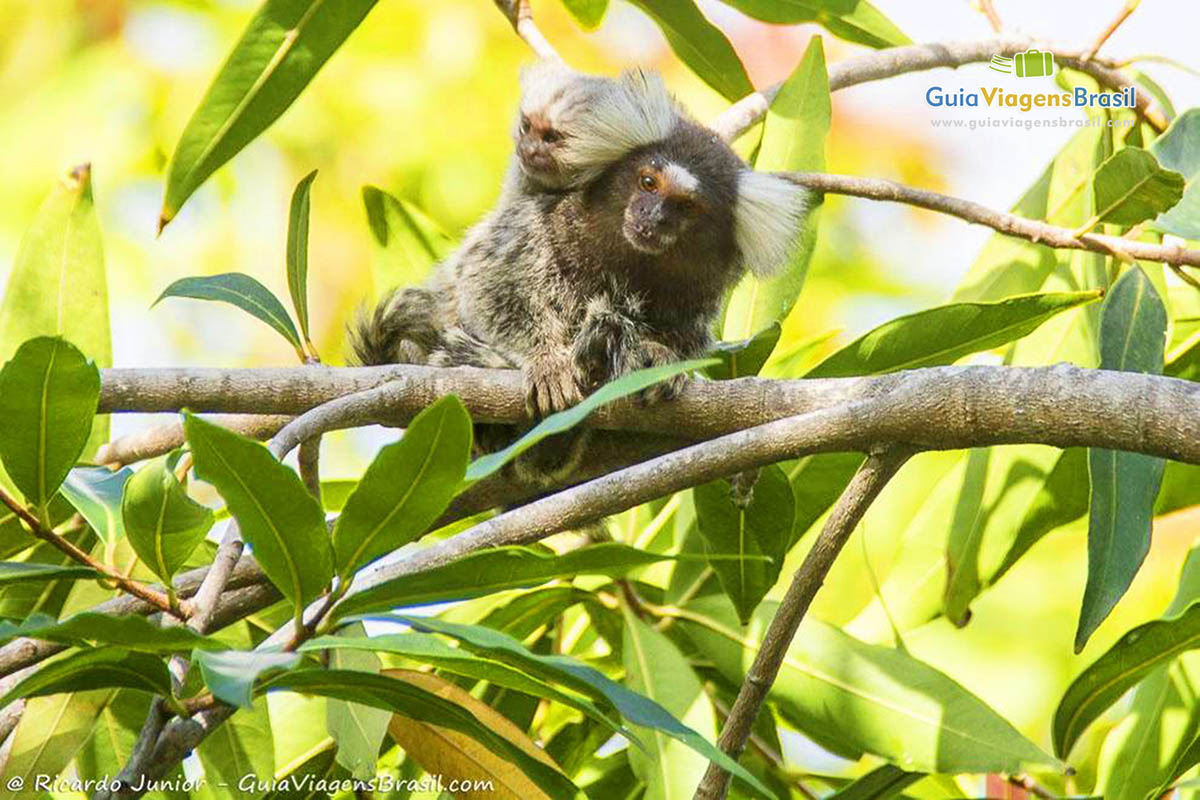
{"type": "Point", "coordinates": [680, 176]}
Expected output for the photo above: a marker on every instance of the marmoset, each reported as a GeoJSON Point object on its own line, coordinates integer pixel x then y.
{"type": "Point", "coordinates": [570, 126]}
{"type": "Point", "coordinates": [621, 225]}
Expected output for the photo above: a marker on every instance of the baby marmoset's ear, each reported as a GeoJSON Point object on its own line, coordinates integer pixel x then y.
{"type": "Point", "coordinates": [768, 218]}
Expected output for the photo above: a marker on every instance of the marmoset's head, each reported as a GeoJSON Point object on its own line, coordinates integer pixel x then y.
{"type": "Point", "coordinates": [571, 126]}
{"type": "Point", "coordinates": [689, 193]}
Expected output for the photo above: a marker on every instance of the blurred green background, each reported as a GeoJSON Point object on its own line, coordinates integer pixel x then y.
{"type": "Point", "coordinates": [419, 103]}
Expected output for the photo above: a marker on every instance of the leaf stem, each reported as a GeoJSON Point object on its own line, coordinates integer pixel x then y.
{"type": "Point", "coordinates": [42, 531]}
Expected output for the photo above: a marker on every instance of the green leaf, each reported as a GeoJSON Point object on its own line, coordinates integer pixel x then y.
{"type": "Point", "coordinates": [114, 733]}
{"type": "Point", "coordinates": [230, 674]}
{"type": "Point", "coordinates": [57, 284]}
{"type": "Point", "coordinates": [1124, 485]}
{"type": "Point", "coordinates": [565, 420]}
{"type": "Point", "coordinates": [48, 397]}
{"type": "Point", "coordinates": [242, 291]}
{"type": "Point", "coordinates": [740, 359]}
{"type": "Point", "coordinates": [358, 729]}
{"type": "Point", "coordinates": [944, 334]}
{"type": "Point", "coordinates": [101, 668]}
{"type": "Point", "coordinates": [240, 747]}
{"type": "Point", "coordinates": [794, 133]}
{"type": "Point", "coordinates": [26, 572]}
{"type": "Point", "coordinates": [656, 669]}
{"type": "Point", "coordinates": [410, 701]}
{"type": "Point", "coordinates": [426, 648]}
{"type": "Point", "coordinates": [700, 45]}
{"type": "Point", "coordinates": [635, 708]}
{"type": "Point", "coordinates": [1120, 668]}
{"type": "Point", "coordinates": [588, 13]}
{"type": "Point", "coordinates": [282, 49]}
{"type": "Point", "coordinates": [127, 631]}
{"type": "Point", "coordinates": [277, 516]}
{"type": "Point", "coordinates": [884, 781]}
{"type": "Point", "coordinates": [1141, 753]}
{"type": "Point", "coordinates": [1177, 149]}
{"type": "Point", "coordinates": [163, 524]}
{"type": "Point", "coordinates": [95, 492]}
{"type": "Point", "coordinates": [1130, 187]}
{"type": "Point", "coordinates": [297, 250]}
{"type": "Point", "coordinates": [50, 731]}
{"type": "Point", "coordinates": [853, 697]}
{"type": "Point", "coordinates": [406, 488]}
{"type": "Point", "coordinates": [745, 535]}
{"type": "Point", "coordinates": [494, 570]}
{"type": "Point", "coordinates": [962, 548]}
{"type": "Point", "coordinates": [406, 241]}
{"type": "Point", "coordinates": [858, 22]}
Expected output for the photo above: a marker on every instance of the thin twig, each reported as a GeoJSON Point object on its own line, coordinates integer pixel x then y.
{"type": "Point", "coordinates": [1027, 783]}
{"type": "Point", "coordinates": [521, 18]}
{"type": "Point", "coordinates": [862, 490]}
{"type": "Point", "coordinates": [989, 10]}
{"type": "Point", "coordinates": [769, 753]}
{"type": "Point", "coordinates": [1128, 8]}
{"type": "Point", "coordinates": [1009, 224]}
{"type": "Point", "coordinates": [892, 61]}
{"type": "Point", "coordinates": [156, 441]}
{"type": "Point", "coordinates": [140, 590]}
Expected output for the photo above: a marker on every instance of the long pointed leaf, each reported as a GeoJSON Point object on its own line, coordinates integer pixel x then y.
{"type": "Point", "coordinates": [1124, 485]}
{"type": "Point", "coordinates": [282, 49]}
{"type": "Point", "coordinates": [242, 291]}
{"type": "Point", "coordinates": [297, 250]}
{"type": "Point", "coordinates": [282, 522]}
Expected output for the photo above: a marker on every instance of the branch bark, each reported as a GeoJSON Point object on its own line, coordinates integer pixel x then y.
{"type": "Point", "coordinates": [892, 61]}
{"type": "Point", "coordinates": [866, 485]}
{"type": "Point", "coordinates": [935, 408]}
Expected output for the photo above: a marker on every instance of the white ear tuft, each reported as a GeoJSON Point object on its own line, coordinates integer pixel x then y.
{"type": "Point", "coordinates": [767, 220]}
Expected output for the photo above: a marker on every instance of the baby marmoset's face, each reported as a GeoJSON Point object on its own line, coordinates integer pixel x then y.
{"type": "Point", "coordinates": [553, 97]}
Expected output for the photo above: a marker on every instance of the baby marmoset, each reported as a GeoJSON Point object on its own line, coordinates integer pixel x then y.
{"type": "Point", "coordinates": [621, 225]}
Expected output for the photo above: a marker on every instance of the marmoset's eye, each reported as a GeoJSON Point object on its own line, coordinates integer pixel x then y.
{"type": "Point", "coordinates": [523, 127]}
{"type": "Point", "coordinates": [551, 136]}
{"type": "Point", "coordinates": [648, 182]}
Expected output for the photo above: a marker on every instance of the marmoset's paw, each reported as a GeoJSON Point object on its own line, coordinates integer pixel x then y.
{"type": "Point", "coordinates": [553, 383]}
{"type": "Point", "coordinates": [654, 354]}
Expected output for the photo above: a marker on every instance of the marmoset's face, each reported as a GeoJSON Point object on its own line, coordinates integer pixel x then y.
{"type": "Point", "coordinates": [539, 148]}
{"type": "Point", "coordinates": [664, 203]}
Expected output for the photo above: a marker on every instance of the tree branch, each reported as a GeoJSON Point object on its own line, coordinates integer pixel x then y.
{"type": "Point", "coordinates": [892, 61]}
{"type": "Point", "coordinates": [154, 442]}
{"type": "Point", "coordinates": [862, 490]}
{"type": "Point", "coordinates": [1009, 224]}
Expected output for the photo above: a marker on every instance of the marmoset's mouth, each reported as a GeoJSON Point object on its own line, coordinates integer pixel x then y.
{"type": "Point", "coordinates": [645, 240]}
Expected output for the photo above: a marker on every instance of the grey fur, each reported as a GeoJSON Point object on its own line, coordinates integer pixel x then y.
{"type": "Point", "coordinates": [581, 273]}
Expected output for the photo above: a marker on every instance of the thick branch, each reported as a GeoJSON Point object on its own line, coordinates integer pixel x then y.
{"type": "Point", "coordinates": [1009, 224]}
{"type": "Point", "coordinates": [888, 63]}
{"type": "Point", "coordinates": [853, 504]}
{"type": "Point", "coordinates": [938, 408]}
